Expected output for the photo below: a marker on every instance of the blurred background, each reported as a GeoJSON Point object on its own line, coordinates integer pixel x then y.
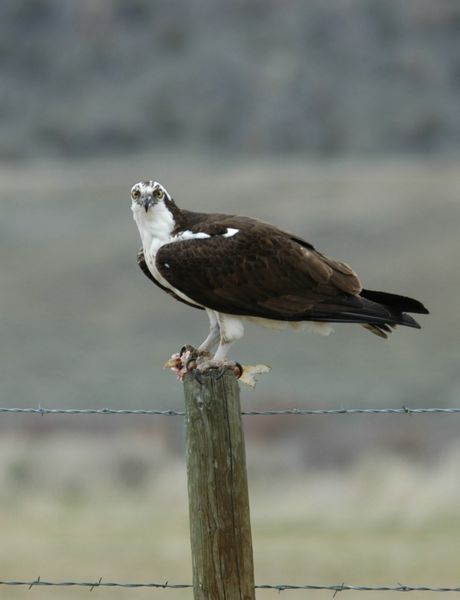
{"type": "Point", "coordinates": [337, 120]}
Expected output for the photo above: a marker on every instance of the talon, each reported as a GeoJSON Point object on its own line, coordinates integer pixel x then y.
{"type": "Point", "coordinates": [238, 370]}
{"type": "Point", "coordinates": [191, 365]}
{"type": "Point", "coordinates": [186, 348]}
{"type": "Point", "coordinates": [197, 376]}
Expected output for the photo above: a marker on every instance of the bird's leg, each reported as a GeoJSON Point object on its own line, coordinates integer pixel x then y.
{"type": "Point", "coordinates": [224, 331]}
{"type": "Point", "coordinates": [190, 356]}
{"type": "Point", "coordinates": [230, 329]}
{"type": "Point", "coordinates": [214, 333]}
{"type": "Point", "coordinates": [222, 351]}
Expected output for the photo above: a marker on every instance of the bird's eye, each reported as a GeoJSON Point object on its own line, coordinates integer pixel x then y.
{"type": "Point", "coordinates": [135, 194]}
{"type": "Point", "coordinates": [158, 193]}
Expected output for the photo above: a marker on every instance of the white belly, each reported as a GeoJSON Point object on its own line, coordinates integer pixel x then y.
{"type": "Point", "coordinates": [315, 326]}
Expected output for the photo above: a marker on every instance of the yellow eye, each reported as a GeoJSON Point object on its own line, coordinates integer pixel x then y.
{"type": "Point", "coordinates": [135, 194]}
{"type": "Point", "coordinates": [158, 193]}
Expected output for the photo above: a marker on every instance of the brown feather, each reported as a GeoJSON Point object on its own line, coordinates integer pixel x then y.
{"type": "Point", "coordinates": [144, 268]}
{"type": "Point", "coordinates": [262, 271]}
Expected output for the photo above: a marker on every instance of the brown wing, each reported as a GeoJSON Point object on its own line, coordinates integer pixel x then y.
{"type": "Point", "coordinates": [262, 271]}
{"type": "Point", "coordinates": [144, 268]}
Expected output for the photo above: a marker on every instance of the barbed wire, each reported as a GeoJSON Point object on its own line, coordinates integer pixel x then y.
{"type": "Point", "coordinates": [404, 410]}
{"type": "Point", "coordinates": [93, 411]}
{"type": "Point", "coordinates": [281, 587]}
{"type": "Point", "coordinates": [94, 584]}
{"type": "Point", "coordinates": [91, 585]}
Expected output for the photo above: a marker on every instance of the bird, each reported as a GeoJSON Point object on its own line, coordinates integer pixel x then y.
{"type": "Point", "coordinates": [241, 269]}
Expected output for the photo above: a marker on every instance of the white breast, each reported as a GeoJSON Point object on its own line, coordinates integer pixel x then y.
{"type": "Point", "coordinates": [155, 228]}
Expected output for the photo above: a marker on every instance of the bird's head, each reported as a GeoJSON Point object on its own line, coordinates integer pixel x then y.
{"type": "Point", "coordinates": [147, 194]}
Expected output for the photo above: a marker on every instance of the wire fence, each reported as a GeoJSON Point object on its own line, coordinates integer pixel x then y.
{"type": "Point", "coordinates": [404, 410]}
{"type": "Point", "coordinates": [282, 587]}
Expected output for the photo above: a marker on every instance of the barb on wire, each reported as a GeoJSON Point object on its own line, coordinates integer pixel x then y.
{"type": "Point", "coordinates": [281, 587]}
{"type": "Point", "coordinates": [342, 587]}
{"type": "Point", "coordinates": [353, 411]}
{"type": "Point", "coordinates": [404, 410]}
{"type": "Point", "coordinates": [95, 584]}
{"type": "Point", "coordinates": [91, 411]}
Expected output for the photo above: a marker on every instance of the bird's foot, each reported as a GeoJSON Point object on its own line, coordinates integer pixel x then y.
{"type": "Point", "coordinates": [244, 373]}
{"type": "Point", "coordinates": [191, 360]}
{"type": "Point", "coordinates": [186, 360]}
{"type": "Point", "coordinates": [205, 365]}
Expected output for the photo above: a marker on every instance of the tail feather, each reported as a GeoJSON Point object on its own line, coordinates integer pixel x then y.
{"type": "Point", "coordinates": [398, 306]}
{"type": "Point", "coordinates": [400, 303]}
{"type": "Point", "coordinates": [378, 312]}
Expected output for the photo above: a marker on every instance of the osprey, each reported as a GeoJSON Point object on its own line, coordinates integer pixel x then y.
{"type": "Point", "coordinates": [242, 269]}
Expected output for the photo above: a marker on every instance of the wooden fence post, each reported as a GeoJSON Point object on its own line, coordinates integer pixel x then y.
{"type": "Point", "coordinates": [220, 528]}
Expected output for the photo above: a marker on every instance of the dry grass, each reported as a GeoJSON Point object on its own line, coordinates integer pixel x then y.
{"type": "Point", "coordinates": [69, 513]}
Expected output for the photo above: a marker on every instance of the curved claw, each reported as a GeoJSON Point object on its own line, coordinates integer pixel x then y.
{"type": "Point", "coordinates": [197, 376]}
{"type": "Point", "coordinates": [235, 368]}
{"type": "Point", "coordinates": [190, 364]}
{"type": "Point", "coordinates": [187, 348]}
{"type": "Point", "coordinates": [238, 369]}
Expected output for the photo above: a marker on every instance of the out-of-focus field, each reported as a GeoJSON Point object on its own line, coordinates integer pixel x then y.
{"type": "Point", "coordinates": [77, 507]}
{"type": "Point", "coordinates": [361, 500]}
{"type": "Point", "coordinates": [84, 326]}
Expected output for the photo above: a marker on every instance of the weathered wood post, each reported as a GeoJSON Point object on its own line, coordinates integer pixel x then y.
{"type": "Point", "coordinates": [220, 528]}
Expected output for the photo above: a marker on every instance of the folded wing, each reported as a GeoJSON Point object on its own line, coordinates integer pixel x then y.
{"type": "Point", "coordinates": [264, 272]}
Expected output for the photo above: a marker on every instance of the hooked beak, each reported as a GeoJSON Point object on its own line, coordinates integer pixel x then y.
{"type": "Point", "coordinates": [146, 203]}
